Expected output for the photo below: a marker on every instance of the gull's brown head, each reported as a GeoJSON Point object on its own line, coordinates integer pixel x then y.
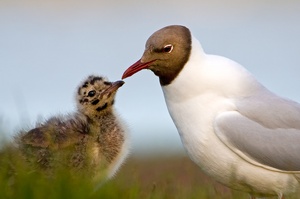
{"type": "Point", "coordinates": [166, 52]}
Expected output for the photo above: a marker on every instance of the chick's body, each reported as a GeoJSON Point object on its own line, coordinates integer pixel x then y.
{"type": "Point", "coordinates": [91, 142]}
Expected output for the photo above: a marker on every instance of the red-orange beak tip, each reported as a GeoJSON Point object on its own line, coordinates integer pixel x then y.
{"type": "Point", "coordinates": [136, 67]}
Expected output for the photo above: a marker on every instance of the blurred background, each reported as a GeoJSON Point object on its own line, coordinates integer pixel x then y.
{"type": "Point", "coordinates": [48, 47]}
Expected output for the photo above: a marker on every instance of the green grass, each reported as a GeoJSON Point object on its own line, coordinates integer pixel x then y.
{"type": "Point", "coordinates": [166, 177]}
{"type": "Point", "coordinates": [148, 178]}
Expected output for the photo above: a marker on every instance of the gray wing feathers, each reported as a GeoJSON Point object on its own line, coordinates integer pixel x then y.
{"type": "Point", "coordinates": [274, 147]}
{"type": "Point", "coordinates": [270, 110]}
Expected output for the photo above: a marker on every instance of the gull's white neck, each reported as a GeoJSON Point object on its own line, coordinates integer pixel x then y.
{"type": "Point", "coordinates": [205, 87]}
{"type": "Point", "coordinates": [204, 73]}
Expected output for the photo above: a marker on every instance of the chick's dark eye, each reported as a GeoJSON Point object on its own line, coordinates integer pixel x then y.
{"type": "Point", "coordinates": [91, 93]}
{"type": "Point", "coordinates": [168, 48]}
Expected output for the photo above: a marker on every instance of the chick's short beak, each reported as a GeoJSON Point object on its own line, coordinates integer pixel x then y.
{"type": "Point", "coordinates": [114, 86]}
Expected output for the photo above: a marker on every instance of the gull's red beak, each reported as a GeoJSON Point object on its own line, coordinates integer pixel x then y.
{"type": "Point", "coordinates": [136, 67]}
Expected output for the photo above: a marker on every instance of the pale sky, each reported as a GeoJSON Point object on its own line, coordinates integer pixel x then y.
{"type": "Point", "coordinates": [47, 48]}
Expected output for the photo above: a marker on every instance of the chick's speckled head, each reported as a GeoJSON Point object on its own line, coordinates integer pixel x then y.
{"type": "Point", "coordinates": [95, 95]}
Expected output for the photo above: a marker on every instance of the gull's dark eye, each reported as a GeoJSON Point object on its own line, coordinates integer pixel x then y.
{"type": "Point", "coordinates": [91, 93]}
{"type": "Point", "coordinates": [168, 48]}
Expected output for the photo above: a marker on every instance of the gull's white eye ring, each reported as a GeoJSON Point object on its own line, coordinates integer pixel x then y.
{"type": "Point", "coordinates": [168, 48]}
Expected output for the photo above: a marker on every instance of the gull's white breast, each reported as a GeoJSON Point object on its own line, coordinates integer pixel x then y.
{"type": "Point", "coordinates": [202, 91]}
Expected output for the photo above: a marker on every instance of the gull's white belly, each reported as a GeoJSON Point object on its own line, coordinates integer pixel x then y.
{"type": "Point", "coordinates": [194, 122]}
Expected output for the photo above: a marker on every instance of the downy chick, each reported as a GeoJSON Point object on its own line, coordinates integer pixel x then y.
{"type": "Point", "coordinates": [90, 142]}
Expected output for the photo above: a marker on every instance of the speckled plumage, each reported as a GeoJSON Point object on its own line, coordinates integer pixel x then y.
{"type": "Point", "coordinates": [92, 141]}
